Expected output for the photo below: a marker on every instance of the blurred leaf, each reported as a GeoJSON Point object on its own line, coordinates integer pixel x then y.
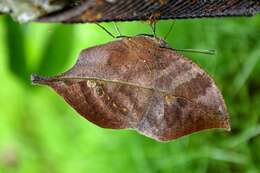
{"type": "Point", "coordinates": [228, 156]}
{"type": "Point", "coordinates": [16, 51]}
{"type": "Point", "coordinates": [58, 50]}
{"type": "Point", "coordinates": [245, 136]}
{"type": "Point", "coordinates": [246, 70]}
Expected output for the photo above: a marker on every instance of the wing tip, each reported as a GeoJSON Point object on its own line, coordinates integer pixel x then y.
{"type": "Point", "coordinates": [36, 79]}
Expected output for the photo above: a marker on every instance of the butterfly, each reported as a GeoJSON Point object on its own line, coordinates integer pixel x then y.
{"type": "Point", "coordinates": [141, 83]}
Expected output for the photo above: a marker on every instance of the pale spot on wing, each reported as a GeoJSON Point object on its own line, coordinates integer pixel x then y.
{"type": "Point", "coordinates": [91, 84]}
{"type": "Point", "coordinates": [153, 121]}
{"type": "Point", "coordinates": [184, 77]}
{"type": "Point", "coordinates": [211, 98]}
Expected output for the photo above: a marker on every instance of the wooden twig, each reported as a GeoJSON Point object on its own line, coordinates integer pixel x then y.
{"type": "Point", "coordinates": [127, 10]}
{"type": "Point", "coordinates": [82, 11]}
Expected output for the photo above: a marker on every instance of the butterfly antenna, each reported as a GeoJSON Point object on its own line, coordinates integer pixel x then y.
{"type": "Point", "coordinates": [117, 29]}
{"type": "Point", "coordinates": [102, 27]}
{"type": "Point", "coordinates": [202, 51]}
{"type": "Point", "coordinates": [169, 31]}
{"type": "Point", "coordinates": [153, 27]}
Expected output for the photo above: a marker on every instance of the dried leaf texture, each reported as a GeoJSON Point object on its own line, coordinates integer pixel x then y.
{"type": "Point", "coordinates": [127, 10]}
{"type": "Point", "coordinates": [138, 83]}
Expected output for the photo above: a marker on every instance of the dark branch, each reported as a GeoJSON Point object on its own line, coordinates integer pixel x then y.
{"type": "Point", "coordinates": [81, 11]}
{"type": "Point", "coordinates": [127, 10]}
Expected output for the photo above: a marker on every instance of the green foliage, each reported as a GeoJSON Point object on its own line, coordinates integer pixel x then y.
{"type": "Point", "coordinates": [39, 132]}
{"type": "Point", "coordinates": [15, 41]}
{"type": "Point", "coordinates": [57, 51]}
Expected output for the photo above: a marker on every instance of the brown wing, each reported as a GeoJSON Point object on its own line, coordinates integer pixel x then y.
{"type": "Point", "coordinates": [134, 83]}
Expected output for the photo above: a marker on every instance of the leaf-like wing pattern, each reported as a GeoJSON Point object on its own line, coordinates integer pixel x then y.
{"type": "Point", "coordinates": [138, 83]}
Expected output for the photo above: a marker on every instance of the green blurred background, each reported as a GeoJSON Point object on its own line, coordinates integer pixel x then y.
{"type": "Point", "coordinates": [40, 133]}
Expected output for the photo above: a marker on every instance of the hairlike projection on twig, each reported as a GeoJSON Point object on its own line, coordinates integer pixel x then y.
{"type": "Point", "coordinates": [142, 84]}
